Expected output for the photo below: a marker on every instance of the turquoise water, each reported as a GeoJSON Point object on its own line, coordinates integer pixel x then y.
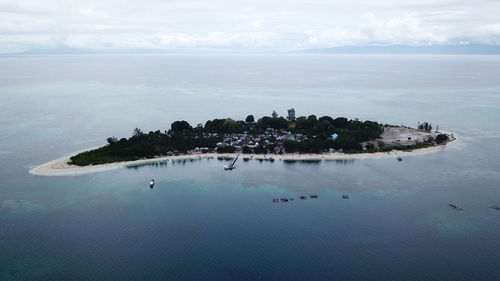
{"type": "Point", "coordinates": [201, 223]}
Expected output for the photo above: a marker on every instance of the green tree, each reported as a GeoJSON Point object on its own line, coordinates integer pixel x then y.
{"type": "Point", "coordinates": [278, 123]}
{"type": "Point", "coordinates": [291, 115]}
{"type": "Point", "coordinates": [275, 114]}
{"type": "Point", "coordinates": [226, 149]}
{"type": "Point", "coordinates": [425, 127]}
{"type": "Point", "coordinates": [181, 127]}
{"type": "Point", "coordinates": [340, 122]}
{"type": "Point", "coordinates": [112, 140]}
{"type": "Point", "coordinates": [441, 138]}
{"type": "Point", "coordinates": [259, 149]}
{"type": "Point", "coordinates": [290, 146]}
{"type": "Point", "coordinates": [312, 145]}
{"type": "Point", "coordinates": [137, 132]}
{"type": "Point", "coordinates": [246, 150]}
{"type": "Point", "coordinates": [250, 119]}
{"type": "Point", "coordinates": [231, 126]}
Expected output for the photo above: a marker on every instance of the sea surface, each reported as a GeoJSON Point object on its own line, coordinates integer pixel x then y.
{"type": "Point", "coordinates": [200, 222]}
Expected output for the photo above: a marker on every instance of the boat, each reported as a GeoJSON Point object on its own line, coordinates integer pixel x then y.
{"type": "Point", "coordinates": [152, 183]}
{"type": "Point", "coordinates": [345, 196]}
{"type": "Point", "coordinates": [494, 207]}
{"type": "Point", "coordinates": [291, 199]}
{"type": "Point", "coordinates": [400, 159]}
{"type": "Point", "coordinates": [455, 207]}
{"type": "Point", "coordinates": [303, 197]}
{"type": "Point", "coordinates": [284, 200]}
{"type": "Point", "coordinates": [231, 166]}
{"type": "Point", "coordinates": [314, 196]}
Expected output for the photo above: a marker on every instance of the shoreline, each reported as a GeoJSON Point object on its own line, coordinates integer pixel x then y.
{"type": "Point", "coordinates": [60, 166]}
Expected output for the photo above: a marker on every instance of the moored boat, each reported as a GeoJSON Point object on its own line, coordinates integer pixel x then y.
{"type": "Point", "coordinates": [455, 207]}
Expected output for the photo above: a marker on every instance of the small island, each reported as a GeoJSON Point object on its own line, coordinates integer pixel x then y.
{"type": "Point", "coordinates": [267, 135]}
{"type": "Point", "coordinates": [276, 136]}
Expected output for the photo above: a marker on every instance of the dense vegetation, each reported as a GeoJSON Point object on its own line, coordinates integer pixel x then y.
{"type": "Point", "coordinates": [269, 134]}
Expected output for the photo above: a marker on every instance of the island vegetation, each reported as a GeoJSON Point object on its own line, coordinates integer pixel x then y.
{"type": "Point", "coordinates": [268, 135]}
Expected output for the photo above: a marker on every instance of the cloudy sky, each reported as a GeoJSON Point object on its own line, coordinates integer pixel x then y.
{"type": "Point", "coordinates": [253, 25]}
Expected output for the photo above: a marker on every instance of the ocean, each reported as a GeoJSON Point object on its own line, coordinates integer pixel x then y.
{"type": "Point", "coordinates": [200, 222]}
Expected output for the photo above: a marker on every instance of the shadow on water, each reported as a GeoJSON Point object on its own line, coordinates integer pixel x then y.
{"type": "Point", "coordinates": [153, 164]}
{"type": "Point", "coordinates": [222, 158]}
{"type": "Point", "coordinates": [303, 161]}
{"type": "Point", "coordinates": [165, 163]}
{"type": "Point", "coordinates": [341, 161]}
{"type": "Point", "coordinates": [311, 161]}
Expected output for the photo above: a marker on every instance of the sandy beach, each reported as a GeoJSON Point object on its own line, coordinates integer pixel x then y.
{"type": "Point", "coordinates": [60, 166]}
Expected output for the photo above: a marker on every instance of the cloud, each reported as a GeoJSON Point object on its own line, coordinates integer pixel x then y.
{"type": "Point", "coordinates": [248, 25]}
{"type": "Point", "coordinates": [407, 29]}
{"type": "Point", "coordinates": [170, 40]}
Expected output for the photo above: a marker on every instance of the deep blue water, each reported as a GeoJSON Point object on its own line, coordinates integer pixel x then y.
{"type": "Point", "coordinates": [201, 223]}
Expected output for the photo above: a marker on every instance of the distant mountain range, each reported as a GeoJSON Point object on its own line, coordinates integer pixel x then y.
{"type": "Point", "coordinates": [403, 49]}
{"type": "Point", "coordinates": [374, 49]}
{"type": "Point", "coordinates": [78, 51]}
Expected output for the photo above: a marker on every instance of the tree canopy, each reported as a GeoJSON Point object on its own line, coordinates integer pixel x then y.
{"type": "Point", "coordinates": [292, 134]}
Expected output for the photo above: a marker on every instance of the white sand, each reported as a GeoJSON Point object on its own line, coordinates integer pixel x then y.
{"type": "Point", "coordinates": [60, 166]}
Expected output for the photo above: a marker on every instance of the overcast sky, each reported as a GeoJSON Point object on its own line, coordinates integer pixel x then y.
{"type": "Point", "coordinates": [243, 25]}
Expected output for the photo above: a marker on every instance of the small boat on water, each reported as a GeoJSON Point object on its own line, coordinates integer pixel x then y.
{"type": "Point", "coordinates": [400, 159]}
{"type": "Point", "coordinates": [345, 196]}
{"type": "Point", "coordinates": [303, 197]}
{"type": "Point", "coordinates": [314, 196]}
{"type": "Point", "coordinates": [495, 207]}
{"type": "Point", "coordinates": [231, 165]}
{"type": "Point", "coordinates": [152, 183]}
{"type": "Point", "coordinates": [455, 207]}
{"type": "Point", "coordinates": [276, 200]}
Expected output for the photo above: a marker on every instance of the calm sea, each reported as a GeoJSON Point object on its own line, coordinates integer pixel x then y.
{"type": "Point", "coordinates": [202, 223]}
